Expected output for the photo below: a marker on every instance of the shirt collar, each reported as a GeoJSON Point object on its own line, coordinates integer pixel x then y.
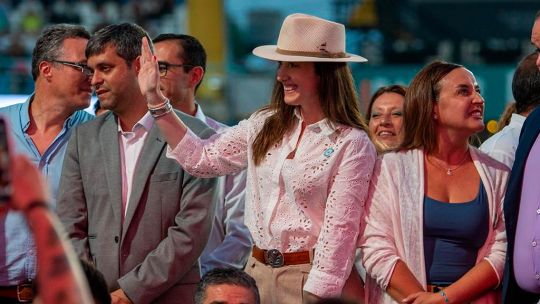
{"type": "Point", "coordinates": [199, 113]}
{"type": "Point", "coordinates": [25, 115]}
{"type": "Point", "coordinates": [324, 126]}
{"type": "Point", "coordinates": [146, 122]}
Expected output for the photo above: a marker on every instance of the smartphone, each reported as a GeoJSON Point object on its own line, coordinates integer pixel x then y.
{"type": "Point", "coordinates": [5, 170]}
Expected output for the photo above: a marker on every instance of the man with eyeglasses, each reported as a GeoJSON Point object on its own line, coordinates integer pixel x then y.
{"type": "Point", "coordinates": [182, 63]}
{"type": "Point", "coordinates": [40, 128]}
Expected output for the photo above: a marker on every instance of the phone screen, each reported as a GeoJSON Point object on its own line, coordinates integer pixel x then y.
{"type": "Point", "coordinates": [5, 174]}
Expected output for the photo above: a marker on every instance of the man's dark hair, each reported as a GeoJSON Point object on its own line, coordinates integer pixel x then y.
{"type": "Point", "coordinates": [126, 38]}
{"type": "Point", "coordinates": [334, 301]}
{"type": "Point", "coordinates": [526, 84]}
{"type": "Point", "coordinates": [226, 276]}
{"type": "Point", "coordinates": [50, 42]}
{"type": "Point", "coordinates": [96, 282]}
{"type": "Point", "coordinates": [194, 53]}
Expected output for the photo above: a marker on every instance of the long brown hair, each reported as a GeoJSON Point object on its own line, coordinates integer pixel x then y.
{"type": "Point", "coordinates": [339, 103]}
{"type": "Point", "coordinates": [422, 94]}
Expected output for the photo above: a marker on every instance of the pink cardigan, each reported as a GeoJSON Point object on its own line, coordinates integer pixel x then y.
{"type": "Point", "coordinates": [393, 226]}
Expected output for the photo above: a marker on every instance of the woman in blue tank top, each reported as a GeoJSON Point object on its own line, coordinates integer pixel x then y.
{"type": "Point", "coordinates": [434, 230]}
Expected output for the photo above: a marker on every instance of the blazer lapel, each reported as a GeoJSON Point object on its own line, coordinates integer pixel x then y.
{"type": "Point", "coordinates": [111, 153]}
{"type": "Point", "coordinates": [146, 162]}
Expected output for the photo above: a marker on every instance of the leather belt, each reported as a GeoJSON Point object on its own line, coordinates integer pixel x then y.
{"type": "Point", "coordinates": [436, 287]}
{"type": "Point", "coordinates": [24, 292]}
{"type": "Point", "coordinates": [275, 258]}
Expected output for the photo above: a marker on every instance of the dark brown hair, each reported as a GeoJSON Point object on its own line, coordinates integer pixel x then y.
{"type": "Point", "coordinates": [526, 84]}
{"type": "Point", "coordinates": [192, 55]}
{"type": "Point", "coordinates": [339, 103]}
{"type": "Point", "coordinates": [423, 92]}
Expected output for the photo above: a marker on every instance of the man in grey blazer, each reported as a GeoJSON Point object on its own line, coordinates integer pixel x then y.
{"type": "Point", "coordinates": [135, 213]}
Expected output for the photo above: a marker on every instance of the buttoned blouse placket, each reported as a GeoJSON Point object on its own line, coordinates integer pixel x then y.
{"type": "Point", "coordinates": [278, 192]}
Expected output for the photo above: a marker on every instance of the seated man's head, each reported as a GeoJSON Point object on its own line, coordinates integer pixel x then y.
{"type": "Point", "coordinates": [227, 286]}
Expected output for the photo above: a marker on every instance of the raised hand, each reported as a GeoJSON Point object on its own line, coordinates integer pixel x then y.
{"type": "Point", "coordinates": [149, 75]}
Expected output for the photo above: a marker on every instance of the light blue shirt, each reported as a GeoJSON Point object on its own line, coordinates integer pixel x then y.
{"type": "Point", "coordinates": [17, 249]}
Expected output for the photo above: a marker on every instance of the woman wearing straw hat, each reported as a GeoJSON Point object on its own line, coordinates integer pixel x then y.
{"type": "Point", "coordinates": [308, 158]}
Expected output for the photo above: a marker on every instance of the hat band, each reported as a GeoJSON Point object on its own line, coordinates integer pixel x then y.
{"type": "Point", "coordinates": [312, 54]}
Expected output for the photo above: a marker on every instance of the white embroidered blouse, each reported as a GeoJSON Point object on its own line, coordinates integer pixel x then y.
{"type": "Point", "coordinates": [313, 201]}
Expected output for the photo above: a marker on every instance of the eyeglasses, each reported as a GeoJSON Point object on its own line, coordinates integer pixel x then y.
{"type": "Point", "coordinates": [165, 66]}
{"type": "Point", "coordinates": [80, 66]}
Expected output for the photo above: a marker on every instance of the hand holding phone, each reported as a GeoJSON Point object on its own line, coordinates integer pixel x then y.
{"type": "Point", "coordinates": [5, 166]}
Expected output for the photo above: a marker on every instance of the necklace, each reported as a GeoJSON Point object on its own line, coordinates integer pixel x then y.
{"type": "Point", "coordinates": [449, 170]}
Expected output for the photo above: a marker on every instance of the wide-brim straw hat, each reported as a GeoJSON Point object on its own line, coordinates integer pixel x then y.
{"type": "Point", "coordinates": [305, 38]}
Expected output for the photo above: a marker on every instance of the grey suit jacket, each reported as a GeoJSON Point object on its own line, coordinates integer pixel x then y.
{"type": "Point", "coordinates": [153, 255]}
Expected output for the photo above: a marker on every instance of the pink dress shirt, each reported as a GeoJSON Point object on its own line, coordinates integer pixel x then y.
{"type": "Point", "coordinates": [131, 144]}
{"type": "Point", "coordinates": [313, 201]}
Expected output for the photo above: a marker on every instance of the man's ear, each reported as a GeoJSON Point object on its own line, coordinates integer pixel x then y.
{"type": "Point", "coordinates": [195, 76]}
{"type": "Point", "coordinates": [137, 64]}
{"type": "Point", "coordinates": [45, 69]}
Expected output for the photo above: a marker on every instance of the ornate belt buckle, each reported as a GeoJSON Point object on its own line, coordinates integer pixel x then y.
{"type": "Point", "coordinates": [274, 258]}
{"type": "Point", "coordinates": [25, 292]}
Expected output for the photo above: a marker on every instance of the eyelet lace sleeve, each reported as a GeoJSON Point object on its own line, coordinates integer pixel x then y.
{"type": "Point", "coordinates": [222, 154]}
{"type": "Point", "coordinates": [335, 248]}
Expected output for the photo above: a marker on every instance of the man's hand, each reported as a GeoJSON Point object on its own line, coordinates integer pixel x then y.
{"type": "Point", "coordinates": [148, 76]}
{"type": "Point", "coordinates": [119, 297]}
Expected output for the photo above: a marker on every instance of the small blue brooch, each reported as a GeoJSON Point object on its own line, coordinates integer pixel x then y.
{"type": "Point", "coordinates": [328, 152]}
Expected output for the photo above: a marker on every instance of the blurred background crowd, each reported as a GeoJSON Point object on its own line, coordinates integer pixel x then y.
{"type": "Point", "coordinates": [398, 38]}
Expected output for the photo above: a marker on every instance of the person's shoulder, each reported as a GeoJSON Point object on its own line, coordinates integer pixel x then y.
{"type": "Point", "coordinates": [490, 143]}
{"type": "Point", "coordinates": [81, 116]}
{"type": "Point", "coordinates": [194, 124]}
{"type": "Point", "coordinates": [216, 125]}
{"type": "Point", "coordinates": [489, 162]}
{"type": "Point", "coordinates": [403, 156]}
{"type": "Point", "coordinates": [507, 136]}
{"type": "Point", "coordinates": [86, 122]}
{"type": "Point", "coordinates": [13, 107]}
{"type": "Point", "coordinates": [354, 132]}
{"type": "Point", "coordinates": [11, 110]}
{"type": "Point", "coordinates": [357, 138]}
{"type": "Point", "coordinates": [261, 115]}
